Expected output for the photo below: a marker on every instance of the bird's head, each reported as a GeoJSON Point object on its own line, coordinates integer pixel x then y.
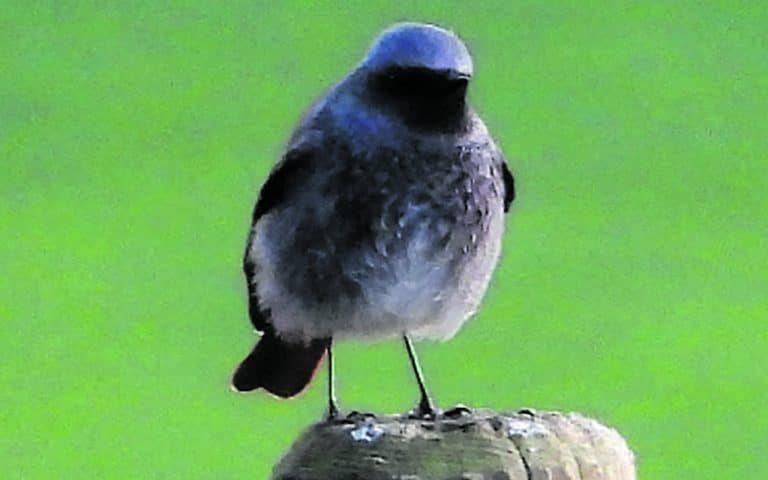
{"type": "Point", "coordinates": [420, 70]}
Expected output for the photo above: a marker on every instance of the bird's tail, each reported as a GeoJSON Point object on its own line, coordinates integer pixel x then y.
{"type": "Point", "coordinates": [279, 367]}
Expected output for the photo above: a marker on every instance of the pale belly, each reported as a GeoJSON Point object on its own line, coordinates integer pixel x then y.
{"type": "Point", "coordinates": [425, 279]}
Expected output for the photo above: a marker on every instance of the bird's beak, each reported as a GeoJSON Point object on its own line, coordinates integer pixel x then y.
{"type": "Point", "coordinates": [454, 75]}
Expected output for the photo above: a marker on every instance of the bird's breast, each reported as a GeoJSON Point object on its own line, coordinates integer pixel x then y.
{"type": "Point", "coordinates": [394, 242]}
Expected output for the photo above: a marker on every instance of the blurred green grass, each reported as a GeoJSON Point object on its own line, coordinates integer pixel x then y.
{"type": "Point", "coordinates": [134, 138]}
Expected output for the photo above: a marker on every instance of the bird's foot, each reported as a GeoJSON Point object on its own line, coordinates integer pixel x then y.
{"type": "Point", "coordinates": [355, 416]}
{"type": "Point", "coordinates": [337, 416]}
{"type": "Point", "coordinates": [458, 411]}
{"type": "Point", "coordinates": [332, 414]}
{"type": "Point", "coordinates": [425, 411]}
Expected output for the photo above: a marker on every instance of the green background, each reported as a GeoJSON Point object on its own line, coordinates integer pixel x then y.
{"type": "Point", "coordinates": [134, 137]}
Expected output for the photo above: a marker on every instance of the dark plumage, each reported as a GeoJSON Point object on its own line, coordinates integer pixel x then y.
{"type": "Point", "coordinates": [383, 218]}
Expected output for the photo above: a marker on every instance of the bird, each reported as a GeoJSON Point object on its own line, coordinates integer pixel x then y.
{"type": "Point", "coordinates": [382, 219]}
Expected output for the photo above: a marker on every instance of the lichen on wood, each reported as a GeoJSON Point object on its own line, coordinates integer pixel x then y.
{"type": "Point", "coordinates": [481, 445]}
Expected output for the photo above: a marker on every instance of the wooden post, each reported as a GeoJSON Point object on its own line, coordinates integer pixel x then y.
{"type": "Point", "coordinates": [482, 445]}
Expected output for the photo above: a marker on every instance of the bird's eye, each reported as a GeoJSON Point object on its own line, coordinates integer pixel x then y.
{"type": "Point", "coordinates": [421, 83]}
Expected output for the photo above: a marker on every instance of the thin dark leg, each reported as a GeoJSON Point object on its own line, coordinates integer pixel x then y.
{"type": "Point", "coordinates": [426, 407]}
{"type": "Point", "coordinates": [333, 409]}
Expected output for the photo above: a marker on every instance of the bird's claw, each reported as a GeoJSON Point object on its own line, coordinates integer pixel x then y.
{"type": "Point", "coordinates": [418, 414]}
{"type": "Point", "coordinates": [331, 416]}
{"type": "Point", "coordinates": [425, 411]}
{"type": "Point", "coordinates": [458, 411]}
{"type": "Point", "coordinates": [355, 416]}
{"type": "Point", "coordinates": [334, 415]}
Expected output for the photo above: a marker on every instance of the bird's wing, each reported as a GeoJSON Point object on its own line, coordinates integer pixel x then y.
{"type": "Point", "coordinates": [509, 185]}
{"type": "Point", "coordinates": [283, 181]}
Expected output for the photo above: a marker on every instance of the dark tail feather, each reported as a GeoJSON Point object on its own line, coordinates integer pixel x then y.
{"type": "Point", "coordinates": [281, 368]}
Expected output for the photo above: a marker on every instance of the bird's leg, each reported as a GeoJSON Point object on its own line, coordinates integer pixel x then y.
{"type": "Point", "coordinates": [333, 409]}
{"type": "Point", "coordinates": [426, 408]}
